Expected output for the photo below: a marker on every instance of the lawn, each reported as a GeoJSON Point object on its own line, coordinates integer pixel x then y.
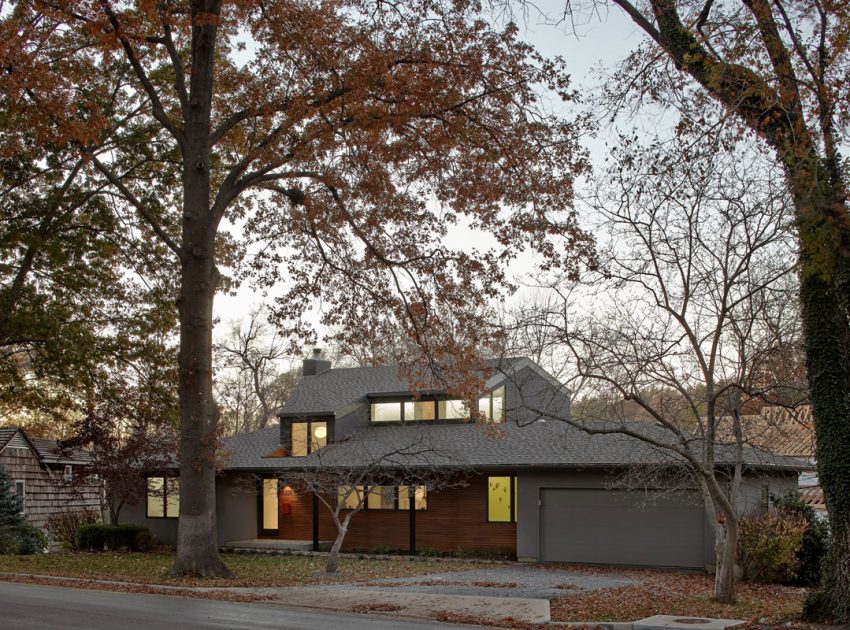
{"type": "Point", "coordinates": [671, 593]}
{"type": "Point", "coordinates": [250, 570]}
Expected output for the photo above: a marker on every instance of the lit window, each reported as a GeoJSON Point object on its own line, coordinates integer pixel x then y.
{"type": "Point", "coordinates": [299, 439]}
{"type": "Point", "coordinates": [453, 410]}
{"type": "Point", "coordinates": [386, 412]}
{"type": "Point", "coordinates": [501, 499]}
{"type": "Point", "coordinates": [420, 498]}
{"type": "Point", "coordinates": [349, 496]}
{"type": "Point", "coordinates": [381, 498]}
{"type": "Point", "coordinates": [498, 414]}
{"type": "Point", "coordinates": [419, 410]}
{"type": "Point", "coordinates": [492, 405]}
{"type": "Point", "coordinates": [308, 437]}
{"type": "Point", "coordinates": [318, 435]}
{"type": "Point", "coordinates": [163, 497]}
{"type": "Point", "coordinates": [270, 506]}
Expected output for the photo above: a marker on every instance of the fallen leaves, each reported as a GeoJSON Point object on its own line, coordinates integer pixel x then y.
{"type": "Point", "coordinates": [251, 570]}
{"type": "Point", "coordinates": [384, 607]}
{"type": "Point", "coordinates": [675, 593]}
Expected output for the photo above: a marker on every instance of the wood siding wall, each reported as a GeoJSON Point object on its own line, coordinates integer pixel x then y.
{"type": "Point", "coordinates": [456, 519]}
{"type": "Point", "coordinates": [45, 489]}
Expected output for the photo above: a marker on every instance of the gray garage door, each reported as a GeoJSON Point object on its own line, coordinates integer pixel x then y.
{"type": "Point", "coordinates": [621, 527]}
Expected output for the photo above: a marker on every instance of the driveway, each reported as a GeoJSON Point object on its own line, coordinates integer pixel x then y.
{"type": "Point", "coordinates": [534, 581]}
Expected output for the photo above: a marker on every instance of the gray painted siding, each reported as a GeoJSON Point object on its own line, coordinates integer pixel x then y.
{"type": "Point", "coordinates": [236, 512]}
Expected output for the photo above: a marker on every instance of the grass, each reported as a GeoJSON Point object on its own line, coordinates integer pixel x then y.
{"type": "Point", "coordinates": [670, 593]}
{"type": "Point", "coordinates": [250, 570]}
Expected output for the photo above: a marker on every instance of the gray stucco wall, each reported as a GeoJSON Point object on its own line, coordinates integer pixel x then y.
{"type": "Point", "coordinates": [531, 482]}
{"type": "Point", "coordinates": [236, 512]}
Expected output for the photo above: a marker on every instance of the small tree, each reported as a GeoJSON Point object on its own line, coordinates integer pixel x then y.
{"type": "Point", "coordinates": [343, 475]}
{"type": "Point", "coordinates": [128, 436]}
{"type": "Point", "coordinates": [11, 518]}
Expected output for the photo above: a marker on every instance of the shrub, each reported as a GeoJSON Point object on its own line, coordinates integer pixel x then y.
{"type": "Point", "coordinates": [10, 514]}
{"type": "Point", "coordinates": [31, 540]}
{"type": "Point", "coordinates": [815, 540]}
{"type": "Point", "coordinates": [115, 537]}
{"type": "Point", "coordinates": [768, 545]}
{"type": "Point", "coordinates": [63, 526]}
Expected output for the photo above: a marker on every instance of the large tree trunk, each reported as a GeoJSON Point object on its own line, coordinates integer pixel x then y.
{"type": "Point", "coordinates": [827, 330]}
{"type": "Point", "coordinates": [197, 539]}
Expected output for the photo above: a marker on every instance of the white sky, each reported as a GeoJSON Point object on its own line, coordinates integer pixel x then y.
{"type": "Point", "coordinates": [599, 41]}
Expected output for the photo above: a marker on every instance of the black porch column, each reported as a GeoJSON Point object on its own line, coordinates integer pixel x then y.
{"type": "Point", "coordinates": [315, 522]}
{"type": "Point", "coordinates": [411, 493]}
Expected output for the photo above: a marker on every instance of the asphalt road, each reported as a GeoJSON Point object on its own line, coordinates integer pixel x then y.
{"type": "Point", "coordinates": [49, 607]}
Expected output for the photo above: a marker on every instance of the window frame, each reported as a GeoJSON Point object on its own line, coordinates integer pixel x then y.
{"type": "Point", "coordinates": [69, 472]}
{"type": "Point", "coordinates": [261, 496]}
{"type": "Point", "coordinates": [438, 401]}
{"type": "Point", "coordinates": [513, 495]}
{"type": "Point", "coordinates": [163, 498]}
{"type": "Point", "coordinates": [396, 507]}
{"type": "Point", "coordinates": [22, 484]}
{"type": "Point", "coordinates": [328, 435]}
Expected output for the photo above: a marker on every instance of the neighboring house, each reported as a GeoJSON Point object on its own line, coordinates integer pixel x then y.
{"type": "Point", "coordinates": [537, 488]}
{"type": "Point", "coordinates": [788, 432]}
{"type": "Point", "coordinates": [41, 475]}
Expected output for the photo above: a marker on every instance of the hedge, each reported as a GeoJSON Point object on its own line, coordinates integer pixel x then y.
{"type": "Point", "coordinates": [113, 537]}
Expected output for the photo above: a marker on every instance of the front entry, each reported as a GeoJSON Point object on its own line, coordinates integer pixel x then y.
{"type": "Point", "coordinates": [268, 514]}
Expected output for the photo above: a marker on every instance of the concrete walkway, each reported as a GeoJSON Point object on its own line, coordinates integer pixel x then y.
{"type": "Point", "coordinates": [416, 605]}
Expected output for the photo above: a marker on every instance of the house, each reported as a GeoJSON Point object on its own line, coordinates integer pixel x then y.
{"type": "Point", "coordinates": [537, 488]}
{"type": "Point", "coordinates": [791, 432]}
{"type": "Point", "coordinates": [41, 472]}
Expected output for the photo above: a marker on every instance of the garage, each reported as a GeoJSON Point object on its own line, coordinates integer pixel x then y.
{"type": "Point", "coordinates": [662, 529]}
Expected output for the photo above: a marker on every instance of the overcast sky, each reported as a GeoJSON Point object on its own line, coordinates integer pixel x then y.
{"type": "Point", "coordinates": [599, 41]}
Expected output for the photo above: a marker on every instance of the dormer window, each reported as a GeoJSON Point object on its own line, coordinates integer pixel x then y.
{"type": "Point", "coordinates": [308, 437]}
{"type": "Point", "coordinates": [492, 405]}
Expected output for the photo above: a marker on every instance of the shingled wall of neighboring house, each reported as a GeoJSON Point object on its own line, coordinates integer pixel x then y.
{"type": "Point", "coordinates": [44, 484]}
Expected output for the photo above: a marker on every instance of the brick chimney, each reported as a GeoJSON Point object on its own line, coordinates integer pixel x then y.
{"type": "Point", "coordinates": [315, 364]}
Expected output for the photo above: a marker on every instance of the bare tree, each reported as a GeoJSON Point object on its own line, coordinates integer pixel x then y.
{"type": "Point", "coordinates": [254, 374]}
{"type": "Point", "coordinates": [345, 476]}
{"type": "Point", "coordinates": [695, 303]}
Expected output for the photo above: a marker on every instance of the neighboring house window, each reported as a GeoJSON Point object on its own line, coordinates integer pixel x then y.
{"type": "Point", "coordinates": [382, 497]}
{"type": "Point", "coordinates": [21, 492]}
{"type": "Point", "coordinates": [69, 472]}
{"type": "Point", "coordinates": [308, 437]}
{"type": "Point", "coordinates": [492, 405]}
{"type": "Point", "coordinates": [163, 500]}
{"type": "Point", "coordinates": [502, 499]}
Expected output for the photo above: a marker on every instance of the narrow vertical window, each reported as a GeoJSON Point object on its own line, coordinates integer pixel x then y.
{"type": "Point", "coordinates": [156, 497]}
{"type": "Point", "coordinates": [21, 493]}
{"type": "Point", "coordinates": [270, 507]}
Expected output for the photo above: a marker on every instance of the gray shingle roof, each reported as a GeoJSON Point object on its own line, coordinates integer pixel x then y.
{"type": "Point", "coordinates": [47, 450]}
{"type": "Point", "coordinates": [470, 445]}
{"type": "Point", "coordinates": [330, 391]}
